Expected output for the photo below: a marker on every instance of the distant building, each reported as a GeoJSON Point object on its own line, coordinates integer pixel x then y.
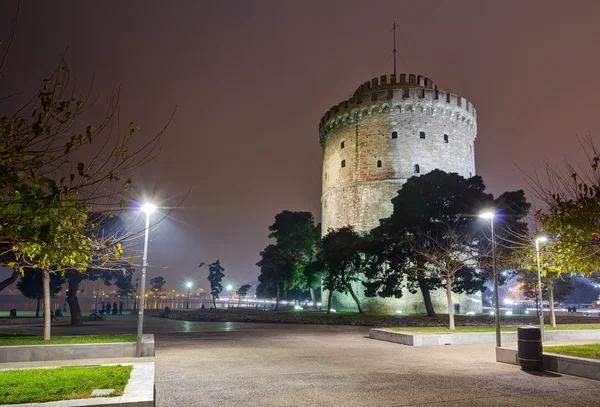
{"type": "Point", "coordinates": [391, 129]}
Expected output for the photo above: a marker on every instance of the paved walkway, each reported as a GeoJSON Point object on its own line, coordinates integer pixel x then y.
{"type": "Point", "coordinates": [235, 364]}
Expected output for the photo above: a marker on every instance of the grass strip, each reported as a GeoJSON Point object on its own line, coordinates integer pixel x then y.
{"type": "Point", "coordinates": [62, 340]}
{"type": "Point", "coordinates": [591, 351]}
{"type": "Point", "coordinates": [63, 383]}
{"type": "Point", "coordinates": [466, 329]}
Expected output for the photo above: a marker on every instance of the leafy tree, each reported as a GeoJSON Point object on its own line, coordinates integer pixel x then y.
{"type": "Point", "coordinates": [343, 255]}
{"type": "Point", "coordinates": [278, 272]}
{"type": "Point", "coordinates": [572, 206]}
{"type": "Point", "coordinates": [242, 292]}
{"type": "Point", "coordinates": [157, 284]}
{"type": "Point", "coordinates": [297, 234]}
{"type": "Point", "coordinates": [53, 170]}
{"type": "Point", "coordinates": [31, 286]}
{"type": "Point", "coordinates": [556, 284]}
{"type": "Point", "coordinates": [215, 276]}
{"type": "Point", "coordinates": [425, 206]}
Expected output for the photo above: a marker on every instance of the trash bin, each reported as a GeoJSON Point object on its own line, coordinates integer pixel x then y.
{"type": "Point", "coordinates": [529, 340]}
{"type": "Point", "coordinates": [13, 312]}
{"type": "Point", "coordinates": [457, 308]}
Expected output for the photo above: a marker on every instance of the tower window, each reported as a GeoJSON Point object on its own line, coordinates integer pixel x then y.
{"type": "Point", "coordinates": [422, 134]}
{"type": "Point", "coordinates": [394, 134]}
{"type": "Point", "coordinates": [446, 138]}
{"type": "Point", "coordinates": [417, 169]}
{"type": "Point", "coordinates": [405, 93]}
{"type": "Point", "coordinates": [421, 93]}
{"type": "Point", "coordinates": [470, 147]}
{"type": "Point", "coordinates": [378, 163]}
{"type": "Point", "coordinates": [343, 163]}
{"type": "Point", "coordinates": [470, 174]}
{"type": "Point", "coordinates": [447, 98]}
{"type": "Point", "coordinates": [325, 175]}
{"type": "Point", "coordinates": [342, 144]}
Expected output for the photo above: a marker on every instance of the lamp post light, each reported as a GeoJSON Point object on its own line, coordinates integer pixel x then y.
{"type": "Point", "coordinates": [189, 287]}
{"type": "Point", "coordinates": [490, 215]}
{"type": "Point", "coordinates": [539, 276]}
{"type": "Point", "coordinates": [148, 208]}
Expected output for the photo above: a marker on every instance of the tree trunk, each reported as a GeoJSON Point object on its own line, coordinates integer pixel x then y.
{"type": "Point", "coordinates": [214, 302]}
{"type": "Point", "coordinates": [73, 301]}
{"type": "Point", "coordinates": [277, 302]}
{"type": "Point", "coordinates": [6, 282]}
{"type": "Point", "coordinates": [47, 305]}
{"type": "Point", "coordinates": [37, 307]}
{"type": "Point", "coordinates": [426, 297]}
{"type": "Point", "coordinates": [551, 300]}
{"type": "Point", "coordinates": [329, 296]}
{"type": "Point", "coordinates": [450, 304]}
{"type": "Point", "coordinates": [313, 297]}
{"type": "Point", "coordinates": [360, 310]}
{"type": "Point", "coordinates": [135, 302]}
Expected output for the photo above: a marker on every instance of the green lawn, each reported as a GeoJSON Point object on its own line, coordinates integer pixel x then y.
{"type": "Point", "coordinates": [63, 383]}
{"type": "Point", "coordinates": [441, 329]}
{"type": "Point", "coordinates": [582, 351]}
{"type": "Point", "coordinates": [60, 340]}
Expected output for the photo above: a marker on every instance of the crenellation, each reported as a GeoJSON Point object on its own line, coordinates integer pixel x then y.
{"type": "Point", "coordinates": [417, 89]}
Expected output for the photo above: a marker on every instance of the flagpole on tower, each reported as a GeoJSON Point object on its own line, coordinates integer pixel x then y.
{"type": "Point", "coordinates": [394, 52]}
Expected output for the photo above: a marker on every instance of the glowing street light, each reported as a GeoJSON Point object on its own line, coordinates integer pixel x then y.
{"type": "Point", "coordinates": [229, 287]}
{"type": "Point", "coordinates": [489, 214]}
{"type": "Point", "coordinates": [148, 208]}
{"type": "Point", "coordinates": [189, 285]}
{"type": "Point", "coordinates": [538, 240]}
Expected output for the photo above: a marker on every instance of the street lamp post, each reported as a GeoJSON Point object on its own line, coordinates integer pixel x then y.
{"type": "Point", "coordinates": [148, 208]}
{"type": "Point", "coordinates": [539, 276]}
{"type": "Point", "coordinates": [189, 287]}
{"type": "Point", "coordinates": [490, 215]}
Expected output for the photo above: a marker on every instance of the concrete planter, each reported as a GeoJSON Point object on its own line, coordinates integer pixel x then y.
{"type": "Point", "coordinates": [139, 392]}
{"type": "Point", "coordinates": [35, 353]}
{"type": "Point", "coordinates": [571, 365]}
{"type": "Point", "coordinates": [469, 338]}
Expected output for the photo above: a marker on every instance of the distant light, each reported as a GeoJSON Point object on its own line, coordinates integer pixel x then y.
{"type": "Point", "coordinates": [487, 214]}
{"type": "Point", "coordinates": [508, 312]}
{"type": "Point", "coordinates": [148, 208]}
{"type": "Point", "coordinates": [470, 313]}
{"type": "Point", "coordinates": [188, 284]}
{"type": "Point", "coordinates": [298, 308]}
{"type": "Point", "coordinates": [508, 301]}
{"type": "Point", "coordinates": [332, 310]}
{"type": "Point", "coordinates": [229, 287]}
{"type": "Point", "coordinates": [541, 239]}
{"type": "Point", "coordinates": [399, 311]}
{"type": "Point", "coordinates": [492, 313]}
{"type": "Point", "coordinates": [505, 273]}
{"type": "Point", "coordinates": [527, 311]}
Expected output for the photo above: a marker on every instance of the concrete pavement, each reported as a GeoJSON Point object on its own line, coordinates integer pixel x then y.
{"type": "Point", "coordinates": [237, 364]}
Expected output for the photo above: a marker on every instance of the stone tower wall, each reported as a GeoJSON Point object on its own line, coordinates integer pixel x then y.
{"type": "Point", "coordinates": [373, 141]}
{"type": "Point", "coordinates": [359, 193]}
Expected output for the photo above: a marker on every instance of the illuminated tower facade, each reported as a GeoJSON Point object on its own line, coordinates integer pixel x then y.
{"type": "Point", "coordinates": [392, 128]}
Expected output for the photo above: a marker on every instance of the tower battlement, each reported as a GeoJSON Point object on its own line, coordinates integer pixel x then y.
{"type": "Point", "coordinates": [393, 91]}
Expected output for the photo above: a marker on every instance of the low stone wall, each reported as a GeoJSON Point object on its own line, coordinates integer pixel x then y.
{"type": "Point", "coordinates": [139, 392]}
{"type": "Point", "coordinates": [571, 365]}
{"type": "Point", "coordinates": [466, 338]}
{"type": "Point", "coordinates": [34, 353]}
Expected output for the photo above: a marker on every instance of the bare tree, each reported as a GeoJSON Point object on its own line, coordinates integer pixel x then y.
{"type": "Point", "coordinates": [445, 256]}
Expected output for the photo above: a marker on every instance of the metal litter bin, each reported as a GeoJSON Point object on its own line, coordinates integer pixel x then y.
{"type": "Point", "coordinates": [13, 312]}
{"type": "Point", "coordinates": [530, 348]}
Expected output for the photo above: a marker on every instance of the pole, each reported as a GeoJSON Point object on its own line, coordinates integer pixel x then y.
{"type": "Point", "coordinates": [188, 300]}
{"type": "Point", "coordinates": [497, 298]}
{"type": "Point", "coordinates": [96, 299]}
{"type": "Point", "coordinates": [537, 252]}
{"type": "Point", "coordinates": [140, 327]}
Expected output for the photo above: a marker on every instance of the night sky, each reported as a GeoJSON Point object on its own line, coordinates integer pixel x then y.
{"type": "Point", "coordinates": [251, 80]}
